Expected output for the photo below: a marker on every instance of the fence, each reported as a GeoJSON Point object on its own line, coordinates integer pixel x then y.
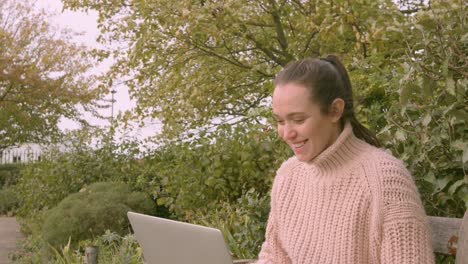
{"type": "Point", "coordinates": [19, 155]}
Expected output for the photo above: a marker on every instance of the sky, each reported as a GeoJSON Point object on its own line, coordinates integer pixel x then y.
{"type": "Point", "coordinates": [86, 23]}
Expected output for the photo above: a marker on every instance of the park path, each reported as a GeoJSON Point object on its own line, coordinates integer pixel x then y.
{"type": "Point", "coordinates": [9, 236]}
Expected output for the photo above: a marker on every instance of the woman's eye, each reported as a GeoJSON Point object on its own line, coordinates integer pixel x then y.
{"type": "Point", "coordinates": [299, 121]}
{"type": "Point", "coordinates": [280, 122]}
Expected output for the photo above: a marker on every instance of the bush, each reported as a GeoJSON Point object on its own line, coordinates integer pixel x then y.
{"type": "Point", "coordinates": [214, 169]}
{"type": "Point", "coordinates": [44, 184]}
{"type": "Point", "coordinates": [117, 249]}
{"type": "Point", "coordinates": [8, 201]}
{"type": "Point", "coordinates": [242, 223]}
{"type": "Point", "coordinates": [9, 174]}
{"type": "Point", "coordinates": [221, 180]}
{"type": "Point", "coordinates": [113, 248]}
{"type": "Point", "coordinates": [427, 125]}
{"type": "Point", "coordinates": [92, 211]}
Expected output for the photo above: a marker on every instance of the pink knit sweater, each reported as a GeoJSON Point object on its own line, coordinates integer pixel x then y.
{"type": "Point", "coordinates": [353, 203]}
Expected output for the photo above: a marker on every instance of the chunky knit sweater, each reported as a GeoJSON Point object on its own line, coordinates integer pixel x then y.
{"type": "Point", "coordinates": [353, 203]}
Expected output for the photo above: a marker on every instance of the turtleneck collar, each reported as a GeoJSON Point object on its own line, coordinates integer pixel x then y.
{"type": "Point", "coordinates": [342, 152]}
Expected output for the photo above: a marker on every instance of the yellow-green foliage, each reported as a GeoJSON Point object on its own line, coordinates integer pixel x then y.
{"type": "Point", "coordinates": [92, 211]}
{"type": "Point", "coordinates": [8, 200]}
{"type": "Point", "coordinates": [9, 174]}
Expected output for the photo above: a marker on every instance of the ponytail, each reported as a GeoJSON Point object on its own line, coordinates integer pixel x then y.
{"type": "Point", "coordinates": [363, 132]}
{"type": "Point", "coordinates": [359, 130]}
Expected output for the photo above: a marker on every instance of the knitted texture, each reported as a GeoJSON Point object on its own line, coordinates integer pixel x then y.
{"type": "Point", "coordinates": [353, 203]}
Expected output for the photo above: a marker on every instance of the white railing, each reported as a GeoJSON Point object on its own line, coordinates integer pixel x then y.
{"type": "Point", "coordinates": [8, 156]}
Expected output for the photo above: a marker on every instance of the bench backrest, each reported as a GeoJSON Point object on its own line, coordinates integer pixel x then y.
{"type": "Point", "coordinates": [450, 237]}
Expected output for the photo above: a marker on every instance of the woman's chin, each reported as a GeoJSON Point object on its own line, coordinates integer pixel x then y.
{"type": "Point", "coordinates": [302, 157]}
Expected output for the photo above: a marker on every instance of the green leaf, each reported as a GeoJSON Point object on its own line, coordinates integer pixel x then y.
{"type": "Point", "coordinates": [450, 83]}
{"type": "Point", "coordinates": [406, 92]}
{"type": "Point", "coordinates": [162, 201]}
{"type": "Point", "coordinates": [428, 85]}
{"type": "Point", "coordinates": [427, 119]}
{"type": "Point", "coordinates": [455, 186]}
{"type": "Point", "coordinates": [400, 135]}
{"type": "Point", "coordinates": [430, 177]}
{"type": "Point", "coordinates": [444, 67]}
{"type": "Point", "coordinates": [465, 198]}
{"type": "Point", "coordinates": [441, 184]}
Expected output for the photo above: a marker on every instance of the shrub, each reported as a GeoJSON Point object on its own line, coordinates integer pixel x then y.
{"type": "Point", "coordinates": [44, 184]}
{"type": "Point", "coordinates": [117, 249]}
{"type": "Point", "coordinates": [427, 125]}
{"type": "Point", "coordinates": [242, 223]}
{"type": "Point", "coordinates": [9, 174]}
{"type": "Point", "coordinates": [8, 201]}
{"type": "Point", "coordinates": [92, 211]}
{"type": "Point", "coordinates": [214, 169]}
{"type": "Point", "coordinates": [113, 248]}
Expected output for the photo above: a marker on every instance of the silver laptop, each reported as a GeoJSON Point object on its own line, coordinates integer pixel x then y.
{"type": "Point", "coordinates": [170, 242]}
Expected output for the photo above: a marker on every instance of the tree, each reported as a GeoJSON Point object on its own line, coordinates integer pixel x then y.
{"type": "Point", "coordinates": [427, 123]}
{"type": "Point", "coordinates": [42, 76]}
{"type": "Point", "coordinates": [201, 63]}
{"type": "Point", "coordinates": [197, 64]}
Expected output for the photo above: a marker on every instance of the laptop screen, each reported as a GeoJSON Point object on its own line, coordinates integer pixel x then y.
{"type": "Point", "coordinates": [171, 242]}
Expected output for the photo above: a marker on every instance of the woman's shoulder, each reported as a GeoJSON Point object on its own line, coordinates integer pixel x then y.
{"type": "Point", "coordinates": [383, 159]}
{"type": "Point", "coordinates": [289, 164]}
{"type": "Point", "coordinates": [285, 170]}
{"type": "Point", "coordinates": [396, 181]}
{"type": "Point", "coordinates": [388, 169]}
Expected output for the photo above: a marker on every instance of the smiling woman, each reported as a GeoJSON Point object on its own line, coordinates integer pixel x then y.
{"type": "Point", "coordinates": [301, 123]}
{"type": "Point", "coordinates": [340, 199]}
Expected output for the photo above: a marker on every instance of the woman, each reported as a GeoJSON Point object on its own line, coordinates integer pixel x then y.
{"type": "Point", "coordinates": [340, 199]}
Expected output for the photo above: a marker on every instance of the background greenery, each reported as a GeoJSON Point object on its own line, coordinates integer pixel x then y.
{"type": "Point", "coordinates": [44, 76]}
{"type": "Point", "coordinates": [205, 68]}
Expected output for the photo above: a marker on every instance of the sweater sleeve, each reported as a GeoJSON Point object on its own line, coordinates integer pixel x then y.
{"type": "Point", "coordinates": [272, 251]}
{"type": "Point", "coordinates": [405, 233]}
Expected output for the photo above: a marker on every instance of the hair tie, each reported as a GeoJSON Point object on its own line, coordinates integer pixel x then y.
{"type": "Point", "coordinates": [328, 60]}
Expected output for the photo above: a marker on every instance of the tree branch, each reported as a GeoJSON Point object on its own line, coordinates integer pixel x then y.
{"type": "Point", "coordinates": [7, 91]}
{"type": "Point", "coordinates": [358, 29]}
{"type": "Point", "coordinates": [409, 11]}
{"type": "Point", "coordinates": [208, 51]}
{"type": "Point", "coordinates": [279, 27]}
{"type": "Point", "coordinates": [309, 41]}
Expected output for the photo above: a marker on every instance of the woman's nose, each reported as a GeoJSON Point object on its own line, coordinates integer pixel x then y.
{"type": "Point", "coordinates": [289, 132]}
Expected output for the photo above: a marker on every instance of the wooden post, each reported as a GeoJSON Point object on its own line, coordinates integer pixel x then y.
{"type": "Point", "coordinates": [445, 234]}
{"type": "Point", "coordinates": [91, 255]}
{"type": "Point", "coordinates": [462, 252]}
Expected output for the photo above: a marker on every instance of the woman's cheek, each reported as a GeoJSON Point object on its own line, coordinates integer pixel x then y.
{"type": "Point", "coordinates": [280, 131]}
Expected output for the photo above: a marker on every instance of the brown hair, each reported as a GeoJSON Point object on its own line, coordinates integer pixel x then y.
{"type": "Point", "coordinates": [327, 79]}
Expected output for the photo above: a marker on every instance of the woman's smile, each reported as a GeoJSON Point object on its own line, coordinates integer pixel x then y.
{"type": "Point", "coordinates": [301, 122]}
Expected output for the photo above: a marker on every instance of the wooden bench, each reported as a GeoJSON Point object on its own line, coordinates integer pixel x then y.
{"type": "Point", "coordinates": [449, 237]}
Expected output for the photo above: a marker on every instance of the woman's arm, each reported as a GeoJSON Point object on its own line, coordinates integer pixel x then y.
{"type": "Point", "coordinates": [405, 233]}
{"type": "Point", "coordinates": [272, 251]}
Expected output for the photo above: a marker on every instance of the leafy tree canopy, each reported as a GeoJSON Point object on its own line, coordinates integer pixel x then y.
{"type": "Point", "coordinates": [200, 63]}
{"type": "Point", "coordinates": [427, 123]}
{"type": "Point", "coordinates": [42, 76]}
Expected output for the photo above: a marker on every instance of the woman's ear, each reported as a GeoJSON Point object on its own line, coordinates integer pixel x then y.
{"type": "Point", "coordinates": [336, 109]}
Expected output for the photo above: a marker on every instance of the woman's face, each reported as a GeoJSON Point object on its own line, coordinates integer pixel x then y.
{"type": "Point", "coordinates": [301, 123]}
